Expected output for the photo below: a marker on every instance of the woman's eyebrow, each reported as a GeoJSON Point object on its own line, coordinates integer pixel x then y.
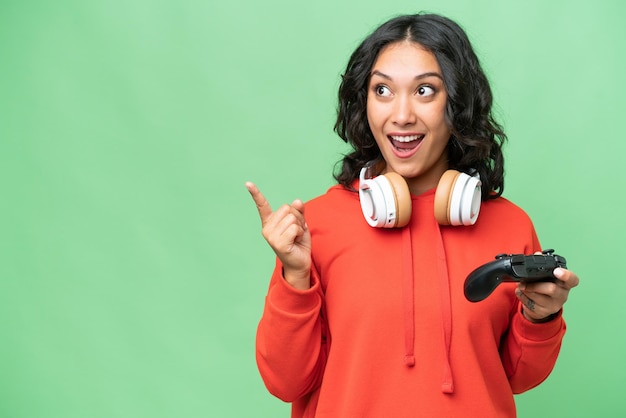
{"type": "Point", "coordinates": [417, 77]}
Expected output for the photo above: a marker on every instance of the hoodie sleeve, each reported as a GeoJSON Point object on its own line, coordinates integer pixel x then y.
{"type": "Point", "coordinates": [529, 351]}
{"type": "Point", "coordinates": [290, 345]}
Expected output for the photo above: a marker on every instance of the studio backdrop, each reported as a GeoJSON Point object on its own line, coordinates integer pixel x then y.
{"type": "Point", "coordinates": [132, 267]}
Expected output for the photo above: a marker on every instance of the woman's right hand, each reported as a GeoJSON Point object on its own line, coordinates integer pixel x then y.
{"type": "Point", "coordinates": [287, 233]}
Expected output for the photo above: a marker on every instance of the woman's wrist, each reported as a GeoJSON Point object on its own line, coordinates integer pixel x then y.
{"type": "Point", "coordinates": [298, 279]}
{"type": "Point", "coordinates": [540, 320]}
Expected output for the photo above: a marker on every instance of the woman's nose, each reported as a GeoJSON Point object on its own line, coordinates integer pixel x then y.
{"type": "Point", "coordinates": [403, 111]}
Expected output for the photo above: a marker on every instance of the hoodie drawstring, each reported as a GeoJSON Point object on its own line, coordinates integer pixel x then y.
{"type": "Point", "coordinates": [409, 297]}
{"type": "Point", "coordinates": [447, 385]}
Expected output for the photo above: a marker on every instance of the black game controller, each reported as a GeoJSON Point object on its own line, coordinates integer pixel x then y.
{"type": "Point", "coordinates": [511, 268]}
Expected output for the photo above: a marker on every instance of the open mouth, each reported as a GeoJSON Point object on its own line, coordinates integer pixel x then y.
{"type": "Point", "coordinates": [405, 143]}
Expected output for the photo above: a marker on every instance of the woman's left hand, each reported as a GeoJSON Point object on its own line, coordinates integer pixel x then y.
{"type": "Point", "coordinates": [543, 299]}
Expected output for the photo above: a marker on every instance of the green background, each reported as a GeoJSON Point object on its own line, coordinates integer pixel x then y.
{"type": "Point", "coordinates": [132, 269]}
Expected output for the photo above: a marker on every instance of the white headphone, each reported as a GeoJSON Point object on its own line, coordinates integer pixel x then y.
{"type": "Point", "coordinates": [386, 200]}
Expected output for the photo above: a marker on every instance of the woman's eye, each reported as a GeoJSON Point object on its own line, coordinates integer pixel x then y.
{"type": "Point", "coordinates": [382, 91]}
{"type": "Point", "coordinates": [425, 91]}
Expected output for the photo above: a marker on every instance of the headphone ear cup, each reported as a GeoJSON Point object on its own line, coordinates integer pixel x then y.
{"type": "Point", "coordinates": [443, 196]}
{"type": "Point", "coordinates": [377, 201]}
{"type": "Point", "coordinates": [457, 199]}
{"type": "Point", "coordinates": [402, 198]}
{"type": "Point", "coordinates": [385, 199]}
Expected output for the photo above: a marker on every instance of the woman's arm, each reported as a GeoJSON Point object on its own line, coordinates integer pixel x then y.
{"type": "Point", "coordinates": [291, 342]}
{"type": "Point", "coordinates": [529, 350]}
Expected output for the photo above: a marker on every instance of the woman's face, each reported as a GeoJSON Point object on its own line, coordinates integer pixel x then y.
{"type": "Point", "coordinates": [406, 102]}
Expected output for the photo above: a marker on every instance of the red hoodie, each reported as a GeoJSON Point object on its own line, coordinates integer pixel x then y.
{"type": "Point", "coordinates": [385, 329]}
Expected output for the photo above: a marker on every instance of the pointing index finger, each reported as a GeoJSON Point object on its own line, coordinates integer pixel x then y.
{"type": "Point", "coordinates": [262, 205]}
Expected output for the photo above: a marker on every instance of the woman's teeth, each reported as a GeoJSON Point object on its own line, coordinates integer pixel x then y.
{"type": "Point", "coordinates": [408, 138]}
{"type": "Point", "coordinates": [405, 142]}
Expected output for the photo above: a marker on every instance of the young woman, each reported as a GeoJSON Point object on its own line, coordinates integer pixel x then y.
{"type": "Point", "coordinates": [365, 314]}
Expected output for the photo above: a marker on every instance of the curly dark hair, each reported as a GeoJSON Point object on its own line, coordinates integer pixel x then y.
{"type": "Point", "coordinates": [476, 138]}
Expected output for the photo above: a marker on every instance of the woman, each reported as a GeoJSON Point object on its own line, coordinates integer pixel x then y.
{"type": "Point", "coordinates": [367, 317]}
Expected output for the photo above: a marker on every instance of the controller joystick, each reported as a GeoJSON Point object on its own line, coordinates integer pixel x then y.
{"type": "Point", "coordinates": [511, 268]}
